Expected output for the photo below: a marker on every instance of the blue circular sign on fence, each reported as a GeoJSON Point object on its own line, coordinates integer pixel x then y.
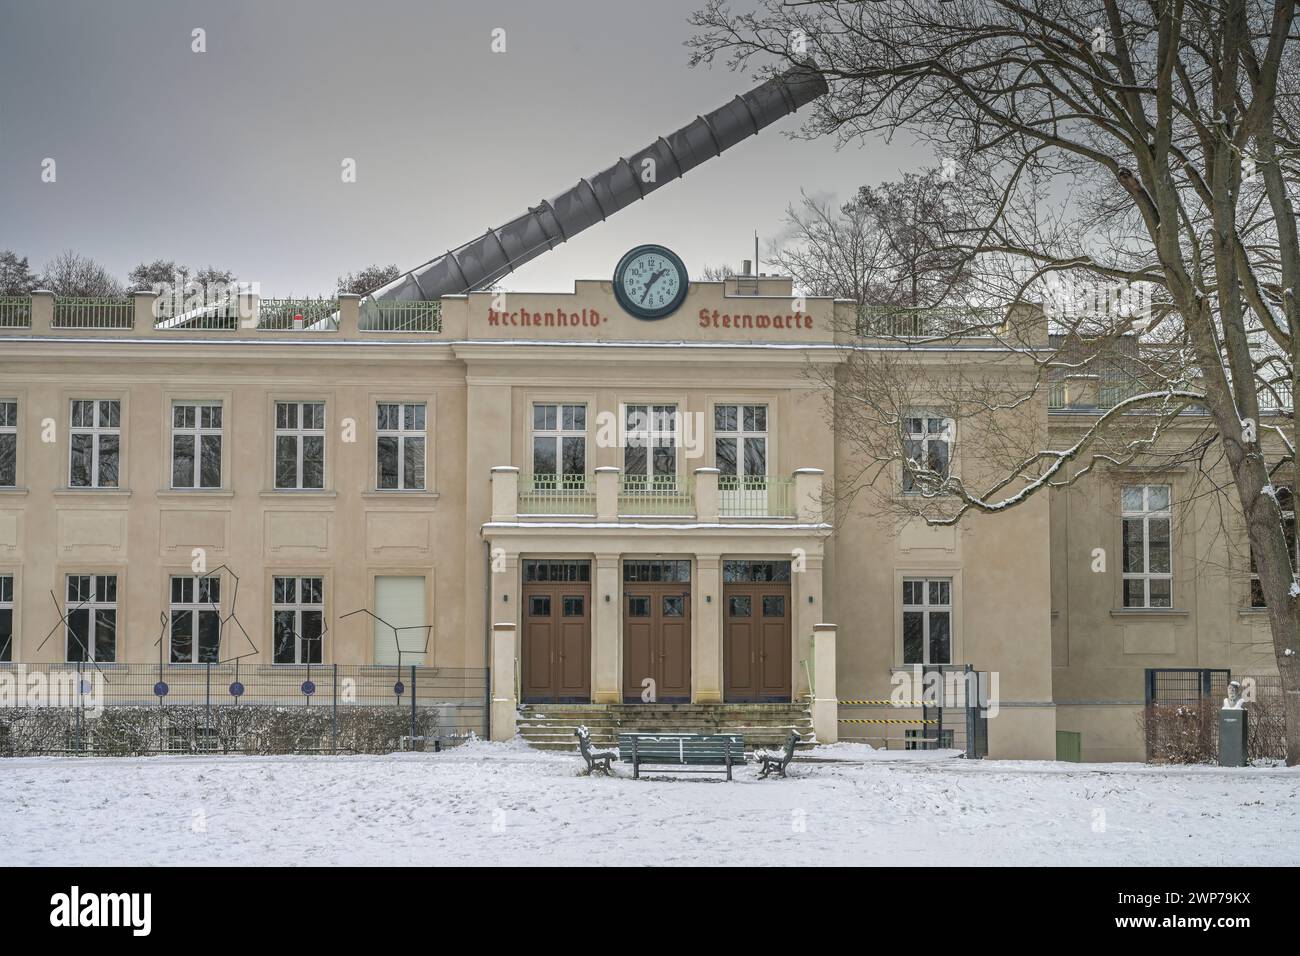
{"type": "Point", "coordinates": [160, 689]}
{"type": "Point", "coordinates": [236, 689]}
{"type": "Point", "coordinates": [308, 687]}
{"type": "Point", "coordinates": [85, 687]}
{"type": "Point", "coordinates": [399, 688]}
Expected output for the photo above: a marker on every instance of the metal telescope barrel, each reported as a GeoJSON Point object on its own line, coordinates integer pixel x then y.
{"type": "Point", "coordinates": [482, 261]}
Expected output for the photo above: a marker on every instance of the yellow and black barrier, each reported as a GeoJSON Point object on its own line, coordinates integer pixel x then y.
{"type": "Point", "coordinates": [885, 720]}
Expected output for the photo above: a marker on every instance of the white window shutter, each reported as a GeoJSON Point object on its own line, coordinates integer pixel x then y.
{"type": "Point", "coordinates": [400, 602]}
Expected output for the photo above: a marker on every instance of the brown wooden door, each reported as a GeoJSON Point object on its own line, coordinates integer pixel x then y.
{"type": "Point", "coordinates": [756, 654]}
{"type": "Point", "coordinates": [657, 641]}
{"type": "Point", "coordinates": [556, 652]}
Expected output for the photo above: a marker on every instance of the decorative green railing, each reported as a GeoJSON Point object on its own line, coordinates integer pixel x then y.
{"type": "Point", "coordinates": [219, 316]}
{"type": "Point", "coordinates": [556, 495]}
{"type": "Point", "coordinates": [15, 311]}
{"type": "Point", "coordinates": [288, 315]}
{"type": "Point", "coordinates": [390, 315]}
{"type": "Point", "coordinates": [755, 497]}
{"type": "Point", "coordinates": [655, 497]}
{"type": "Point", "coordinates": [93, 312]}
{"type": "Point", "coordinates": [906, 323]}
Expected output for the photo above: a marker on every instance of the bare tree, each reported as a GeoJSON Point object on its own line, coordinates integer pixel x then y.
{"type": "Point", "coordinates": [710, 273]}
{"type": "Point", "coordinates": [69, 274]}
{"type": "Point", "coordinates": [1151, 143]}
{"type": "Point", "coordinates": [832, 249]}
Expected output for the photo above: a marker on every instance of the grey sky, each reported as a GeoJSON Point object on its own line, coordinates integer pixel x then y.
{"type": "Point", "coordinates": [232, 157]}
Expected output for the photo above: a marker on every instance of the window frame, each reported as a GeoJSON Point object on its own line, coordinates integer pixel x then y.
{"type": "Point", "coordinates": [299, 433]}
{"type": "Point", "coordinates": [197, 432]}
{"type": "Point", "coordinates": [8, 602]}
{"type": "Point", "coordinates": [742, 436]}
{"type": "Point", "coordinates": [195, 607]}
{"type": "Point", "coordinates": [947, 434]}
{"type": "Point", "coordinates": [401, 433]}
{"type": "Point", "coordinates": [651, 478]}
{"type": "Point", "coordinates": [1146, 576]}
{"type": "Point", "coordinates": [91, 606]}
{"type": "Point", "coordinates": [97, 433]}
{"type": "Point", "coordinates": [298, 606]}
{"type": "Point", "coordinates": [558, 435]}
{"type": "Point", "coordinates": [926, 609]}
{"type": "Point", "coordinates": [11, 429]}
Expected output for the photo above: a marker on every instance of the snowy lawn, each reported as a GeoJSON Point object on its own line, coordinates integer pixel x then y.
{"type": "Point", "coordinates": [506, 804]}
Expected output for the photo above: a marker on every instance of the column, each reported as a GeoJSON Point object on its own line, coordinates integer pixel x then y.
{"type": "Point", "coordinates": [825, 708]}
{"type": "Point", "coordinates": [606, 627]}
{"type": "Point", "coordinates": [706, 623]}
{"type": "Point", "coordinates": [607, 493]}
{"type": "Point", "coordinates": [505, 493]}
{"type": "Point", "coordinates": [505, 705]}
{"type": "Point", "coordinates": [706, 495]}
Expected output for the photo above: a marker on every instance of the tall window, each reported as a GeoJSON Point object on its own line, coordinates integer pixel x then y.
{"type": "Point", "coordinates": [927, 620]}
{"type": "Point", "coordinates": [740, 441]}
{"type": "Point", "coordinates": [650, 453]}
{"type": "Point", "coordinates": [559, 444]}
{"type": "Point", "coordinates": [8, 444]}
{"type": "Point", "coordinates": [298, 616]}
{"type": "Point", "coordinates": [1148, 568]}
{"type": "Point", "coordinates": [95, 442]}
{"type": "Point", "coordinates": [6, 618]}
{"type": "Point", "coordinates": [400, 446]}
{"type": "Point", "coordinates": [300, 445]}
{"type": "Point", "coordinates": [927, 441]}
{"type": "Point", "coordinates": [196, 445]}
{"type": "Point", "coordinates": [1286, 502]}
{"type": "Point", "coordinates": [196, 620]}
{"type": "Point", "coordinates": [402, 635]}
{"type": "Point", "coordinates": [91, 615]}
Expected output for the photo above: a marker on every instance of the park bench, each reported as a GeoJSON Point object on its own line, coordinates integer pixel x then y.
{"type": "Point", "coordinates": [682, 750]}
{"type": "Point", "coordinates": [596, 759]}
{"type": "Point", "coordinates": [777, 760]}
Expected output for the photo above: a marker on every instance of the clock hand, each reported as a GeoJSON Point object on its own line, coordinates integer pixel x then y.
{"type": "Point", "coordinates": [654, 277]}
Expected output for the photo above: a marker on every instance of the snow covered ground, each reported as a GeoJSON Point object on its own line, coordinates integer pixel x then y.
{"type": "Point", "coordinates": [491, 804]}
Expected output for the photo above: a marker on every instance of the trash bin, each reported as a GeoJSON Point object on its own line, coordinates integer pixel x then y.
{"type": "Point", "coordinates": [1232, 737]}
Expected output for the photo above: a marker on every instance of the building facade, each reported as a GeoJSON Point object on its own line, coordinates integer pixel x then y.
{"type": "Point", "coordinates": [599, 508]}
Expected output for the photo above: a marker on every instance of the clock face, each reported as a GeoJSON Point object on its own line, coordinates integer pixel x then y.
{"type": "Point", "coordinates": [650, 282]}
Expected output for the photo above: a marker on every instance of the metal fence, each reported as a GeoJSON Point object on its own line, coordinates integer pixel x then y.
{"type": "Point", "coordinates": [1180, 721]}
{"type": "Point", "coordinates": [391, 315]}
{"type": "Point", "coordinates": [93, 312]}
{"type": "Point", "coordinates": [287, 315]}
{"type": "Point", "coordinates": [757, 496]}
{"type": "Point", "coordinates": [15, 311]}
{"type": "Point", "coordinates": [946, 711]}
{"type": "Point", "coordinates": [126, 709]}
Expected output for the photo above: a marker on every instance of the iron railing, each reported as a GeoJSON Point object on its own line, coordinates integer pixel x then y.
{"type": "Point", "coordinates": [759, 496]}
{"type": "Point", "coordinates": [288, 315]}
{"type": "Point", "coordinates": [556, 495]}
{"type": "Point", "coordinates": [944, 321]}
{"type": "Point", "coordinates": [15, 311]}
{"type": "Point", "coordinates": [217, 317]}
{"type": "Point", "coordinates": [658, 496]}
{"type": "Point", "coordinates": [93, 312]}
{"type": "Point", "coordinates": [391, 315]}
{"type": "Point", "coordinates": [236, 708]}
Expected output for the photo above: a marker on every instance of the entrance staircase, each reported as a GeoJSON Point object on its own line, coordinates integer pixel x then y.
{"type": "Point", "coordinates": [552, 726]}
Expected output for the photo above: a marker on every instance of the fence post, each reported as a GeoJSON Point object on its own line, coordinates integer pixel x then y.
{"type": "Point", "coordinates": [207, 705]}
{"type": "Point", "coordinates": [334, 714]}
{"type": "Point", "coordinates": [81, 704]}
{"type": "Point", "coordinates": [412, 706]}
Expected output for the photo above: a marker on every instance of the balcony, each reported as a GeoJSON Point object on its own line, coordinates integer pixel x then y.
{"type": "Point", "coordinates": [610, 497]}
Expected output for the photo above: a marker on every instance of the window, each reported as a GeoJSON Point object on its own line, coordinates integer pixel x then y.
{"type": "Point", "coordinates": [91, 617]}
{"type": "Point", "coordinates": [1148, 571]}
{"type": "Point", "coordinates": [1286, 502]}
{"type": "Point", "coordinates": [740, 442]}
{"type": "Point", "coordinates": [196, 620]}
{"type": "Point", "coordinates": [300, 445]}
{"type": "Point", "coordinates": [6, 618]}
{"type": "Point", "coordinates": [400, 446]}
{"type": "Point", "coordinates": [927, 441]}
{"type": "Point", "coordinates": [196, 445]}
{"type": "Point", "coordinates": [298, 619]}
{"type": "Point", "coordinates": [559, 444]}
{"type": "Point", "coordinates": [95, 442]}
{"type": "Point", "coordinates": [8, 444]}
{"type": "Point", "coordinates": [650, 450]}
{"type": "Point", "coordinates": [927, 620]}
{"type": "Point", "coordinates": [400, 602]}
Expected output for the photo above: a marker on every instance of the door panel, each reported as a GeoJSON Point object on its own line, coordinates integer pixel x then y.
{"type": "Point", "coordinates": [657, 641]}
{"type": "Point", "coordinates": [556, 652]}
{"type": "Point", "coordinates": [757, 642]}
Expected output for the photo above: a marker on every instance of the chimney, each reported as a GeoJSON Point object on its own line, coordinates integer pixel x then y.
{"type": "Point", "coordinates": [746, 266]}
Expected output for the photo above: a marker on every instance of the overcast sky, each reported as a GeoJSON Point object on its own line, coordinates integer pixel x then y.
{"type": "Point", "coordinates": [233, 157]}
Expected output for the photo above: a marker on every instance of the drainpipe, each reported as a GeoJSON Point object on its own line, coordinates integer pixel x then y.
{"type": "Point", "coordinates": [487, 638]}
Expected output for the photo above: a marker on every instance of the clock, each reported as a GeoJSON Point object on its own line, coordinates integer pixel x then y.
{"type": "Point", "coordinates": [650, 282]}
